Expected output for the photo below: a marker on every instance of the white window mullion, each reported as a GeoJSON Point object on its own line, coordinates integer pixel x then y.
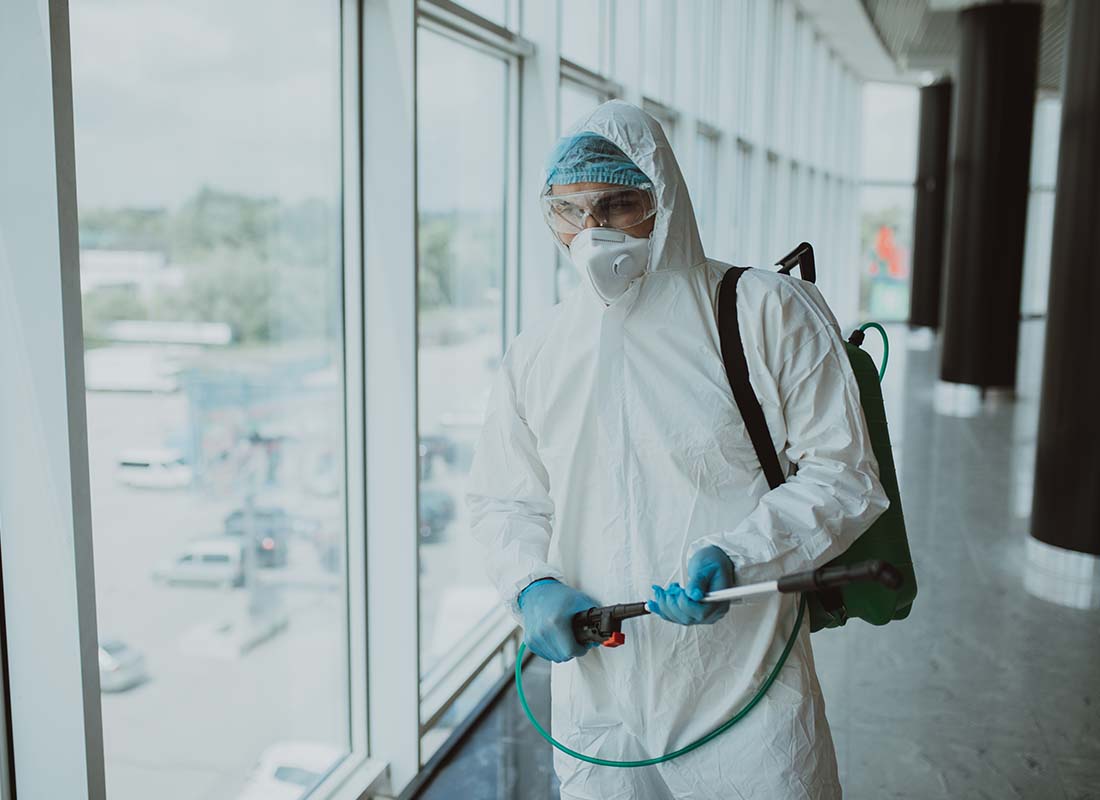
{"type": "Point", "coordinates": [358, 773]}
{"type": "Point", "coordinates": [538, 126]}
{"type": "Point", "coordinates": [390, 357]}
{"type": "Point", "coordinates": [45, 510]}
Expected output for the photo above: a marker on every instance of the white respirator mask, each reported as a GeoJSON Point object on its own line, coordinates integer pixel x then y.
{"type": "Point", "coordinates": [610, 259]}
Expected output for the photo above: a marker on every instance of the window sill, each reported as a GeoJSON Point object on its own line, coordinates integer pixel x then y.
{"type": "Point", "coordinates": [354, 780]}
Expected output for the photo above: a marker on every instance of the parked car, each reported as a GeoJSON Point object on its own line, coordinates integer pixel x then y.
{"type": "Point", "coordinates": [437, 509]}
{"type": "Point", "coordinates": [154, 469]}
{"type": "Point", "coordinates": [271, 532]}
{"type": "Point", "coordinates": [325, 477]}
{"type": "Point", "coordinates": [436, 445]}
{"type": "Point", "coordinates": [121, 667]}
{"type": "Point", "coordinates": [266, 519]}
{"type": "Point", "coordinates": [219, 562]}
{"type": "Point", "coordinates": [289, 770]}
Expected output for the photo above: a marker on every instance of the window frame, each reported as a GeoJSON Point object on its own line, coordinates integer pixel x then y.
{"type": "Point", "coordinates": [496, 642]}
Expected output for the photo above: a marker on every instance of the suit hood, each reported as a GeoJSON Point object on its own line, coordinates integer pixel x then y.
{"type": "Point", "coordinates": [675, 242]}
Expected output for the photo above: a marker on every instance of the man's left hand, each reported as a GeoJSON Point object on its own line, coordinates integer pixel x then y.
{"type": "Point", "coordinates": [709, 570]}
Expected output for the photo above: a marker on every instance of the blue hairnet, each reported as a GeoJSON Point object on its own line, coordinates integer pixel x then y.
{"type": "Point", "coordinates": [590, 158]}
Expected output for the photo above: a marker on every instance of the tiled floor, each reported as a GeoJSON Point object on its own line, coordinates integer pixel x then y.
{"type": "Point", "coordinates": [984, 692]}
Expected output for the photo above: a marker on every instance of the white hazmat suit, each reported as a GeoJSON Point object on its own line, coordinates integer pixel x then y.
{"type": "Point", "coordinates": [613, 450]}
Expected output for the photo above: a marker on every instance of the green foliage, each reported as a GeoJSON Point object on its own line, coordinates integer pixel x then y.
{"type": "Point", "coordinates": [213, 221]}
{"type": "Point", "coordinates": [125, 229]}
{"type": "Point", "coordinates": [232, 286]}
{"type": "Point", "coordinates": [268, 269]}
{"type": "Point", "coordinates": [260, 300]}
{"type": "Point", "coordinates": [106, 304]}
{"type": "Point", "coordinates": [461, 259]}
{"type": "Point", "coordinates": [434, 277]}
{"type": "Point", "coordinates": [264, 267]}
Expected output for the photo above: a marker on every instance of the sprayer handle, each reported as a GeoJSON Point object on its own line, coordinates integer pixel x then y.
{"type": "Point", "coordinates": [827, 577]}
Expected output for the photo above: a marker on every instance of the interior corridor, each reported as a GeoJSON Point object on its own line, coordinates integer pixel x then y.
{"type": "Point", "coordinates": [961, 700]}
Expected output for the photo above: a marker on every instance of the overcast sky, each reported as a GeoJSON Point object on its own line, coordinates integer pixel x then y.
{"type": "Point", "coordinates": [241, 94]}
{"type": "Point", "coordinates": [890, 117]}
{"type": "Point", "coordinates": [244, 95]}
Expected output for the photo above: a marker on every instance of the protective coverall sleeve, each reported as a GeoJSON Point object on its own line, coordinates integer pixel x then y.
{"type": "Point", "coordinates": [508, 496]}
{"type": "Point", "coordinates": [834, 494]}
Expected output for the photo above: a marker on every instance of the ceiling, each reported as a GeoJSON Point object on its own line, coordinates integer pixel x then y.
{"type": "Point", "coordinates": [918, 40]}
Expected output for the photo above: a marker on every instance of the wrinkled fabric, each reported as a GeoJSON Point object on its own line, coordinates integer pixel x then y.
{"type": "Point", "coordinates": [613, 450]}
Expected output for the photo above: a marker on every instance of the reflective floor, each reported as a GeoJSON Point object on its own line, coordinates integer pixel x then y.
{"type": "Point", "coordinates": [984, 692]}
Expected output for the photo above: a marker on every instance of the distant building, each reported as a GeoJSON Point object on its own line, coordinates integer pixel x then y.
{"type": "Point", "coordinates": [146, 271]}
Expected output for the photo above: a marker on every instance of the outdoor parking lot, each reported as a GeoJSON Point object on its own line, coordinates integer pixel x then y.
{"type": "Point", "coordinates": [213, 704]}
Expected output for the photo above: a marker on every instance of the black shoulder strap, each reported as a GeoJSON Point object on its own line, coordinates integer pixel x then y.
{"type": "Point", "coordinates": [737, 372]}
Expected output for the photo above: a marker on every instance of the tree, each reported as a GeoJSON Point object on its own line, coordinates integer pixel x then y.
{"type": "Point", "coordinates": [106, 304]}
{"type": "Point", "coordinates": [229, 286]}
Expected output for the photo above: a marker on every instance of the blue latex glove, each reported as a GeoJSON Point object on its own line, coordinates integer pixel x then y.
{"type": "Point", "coordinates": [709, 570]}
{"type": "Point", "coordinates": [548, 607]}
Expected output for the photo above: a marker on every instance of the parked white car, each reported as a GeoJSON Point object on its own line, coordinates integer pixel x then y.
{"type": "Point", "coordinates": [121, 667]}
{"type": "Point", "coordinates": [289, 770]}
{"type": "Point", "coordinates": [209, 561]}
{"type": "Point", "coordinates": [154, 469]}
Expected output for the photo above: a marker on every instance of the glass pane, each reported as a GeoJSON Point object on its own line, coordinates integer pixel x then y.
{"type": "Point", "coordinates": [890, 127]}
{"type": "Point", "coordinates": [576, 103]}
{"type": "Point", "coordinates": [742, 208]}
{"type": "Point", "coordinates": [1037, 246]}
{"type": "Point", "coordinates": [771, 207]}
{"type": "Point", "coordinates": [1045, 141]}
{"type": "Point", "coordinates": [796, 202]}
{"type": "Point", "coordinates": [705, 196]}
{"type": "Point", "coordinates": [582, 32]}
{"type": "Point", "coordinates": [208, 156]}
{"type": "Point", "coordinates": [653, 51]}
{"type": "Point", "coordinates": [886, 246]}
{"type": "Point", "coordinates": [462, 146]}
{"type": "Point", "coordinates": [495, 10]}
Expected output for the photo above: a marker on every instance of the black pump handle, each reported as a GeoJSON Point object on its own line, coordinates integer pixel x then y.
{"type": "Point", "coordinates": [801, 257]}
{"type": "Point", "coordinates": [814, 580]}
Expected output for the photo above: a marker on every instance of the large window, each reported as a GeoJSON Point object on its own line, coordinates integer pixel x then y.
{"type": "Point", "coordinates": [1040, 206]}
{"type": "Point", "coordinates": [705, 199]}
{"type": "Point", "coordinates": [584, 27]}
{"type": "Point", "coordinates": [576, 102]}
{"type": "Point", "coordinates": [742, 205]}
{"type": "Point", "coordinates": [208, 150]}
{"type": "Point", "coordinates": [658, 47]}
{"type": "Point", "coordinates": [886, 248]}
{"type": "Point", "coordinates": [462, 147]}
{"type": "Point", "coordinates": [308, 232]}
{"type": "Point", "coordinates": [886, 199]}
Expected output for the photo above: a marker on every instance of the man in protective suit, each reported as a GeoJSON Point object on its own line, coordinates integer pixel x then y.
{"type": "Point", "coordinates": [613, 458]}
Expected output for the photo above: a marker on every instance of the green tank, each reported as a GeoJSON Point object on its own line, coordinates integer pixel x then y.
{"type": "Point", "coordinates": [885, 539]}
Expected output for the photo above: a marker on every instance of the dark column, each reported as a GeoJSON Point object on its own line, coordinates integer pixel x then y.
{"type": "Point", "coordinates": [994, 108]}
{"type": "Point", "coordinates": [1066, 507]}
{"type": "Point", "coordinates": [930, 216]}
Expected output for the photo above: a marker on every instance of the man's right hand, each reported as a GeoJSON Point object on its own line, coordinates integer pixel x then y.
{"type": "Point", "coordinates": [548, 607]}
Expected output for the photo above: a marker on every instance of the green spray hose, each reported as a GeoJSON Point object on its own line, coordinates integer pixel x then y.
{"type": "Point", "coordinates": [648, 762]}
{"type": "Point", "coordinates": [725, 726]}
{"type": "Point", "coordinates": [885, 346]}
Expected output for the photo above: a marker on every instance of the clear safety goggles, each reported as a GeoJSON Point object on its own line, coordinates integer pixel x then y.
{"type": "Point", "coordinates": [621, 207]}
